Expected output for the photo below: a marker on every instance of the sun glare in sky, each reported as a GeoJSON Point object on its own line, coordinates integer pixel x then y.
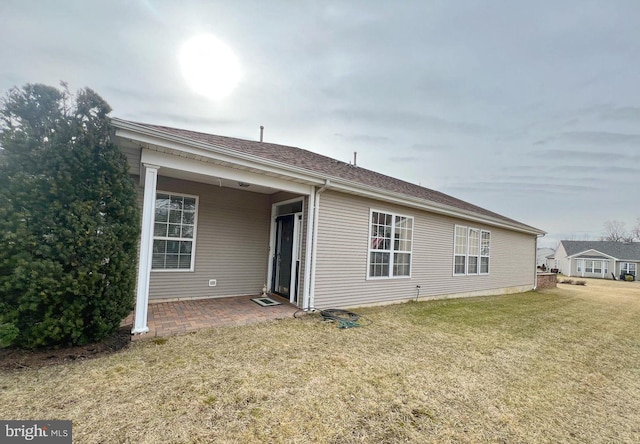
{"type": "Point", "coordinates": [209, 66]}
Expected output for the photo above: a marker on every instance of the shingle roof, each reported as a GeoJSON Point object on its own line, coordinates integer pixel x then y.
{"type": "Point", "coordinates": [328, 167]}
{"type": "Point", "coordinates": [619, 250]}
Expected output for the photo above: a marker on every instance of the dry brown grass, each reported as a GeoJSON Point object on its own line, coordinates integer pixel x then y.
{"type": "Point", "coordinates": [556, 366]}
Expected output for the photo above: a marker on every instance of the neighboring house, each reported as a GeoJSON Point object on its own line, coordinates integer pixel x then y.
{"type": "Point", "coordinates": [541, 256]}
{"type": "Point", "coordinates": [599, 259]}
{"type": "Point", "coordinates": [224, 216]}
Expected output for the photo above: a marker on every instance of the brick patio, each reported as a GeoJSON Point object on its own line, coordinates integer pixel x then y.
{"type": "Point", "coordinates": [170, 318]}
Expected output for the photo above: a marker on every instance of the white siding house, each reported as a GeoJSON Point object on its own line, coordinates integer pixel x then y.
{"type": "Point", "coordinates": [598, 259]}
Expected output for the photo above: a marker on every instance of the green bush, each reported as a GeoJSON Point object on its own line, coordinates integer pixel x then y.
{"type": "Point", "coordinates": [68, 220]}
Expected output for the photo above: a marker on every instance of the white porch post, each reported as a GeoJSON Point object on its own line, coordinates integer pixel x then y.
{"type": "Point", "coordinates": [146, 248]}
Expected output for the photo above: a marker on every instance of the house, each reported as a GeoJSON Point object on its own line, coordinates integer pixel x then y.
{"type": "Point", "coordinates": [224, 217]}
{"type": "Point", "coordinates": [541, 256]}
{"type": "Point", "coordinates": [598, 259]}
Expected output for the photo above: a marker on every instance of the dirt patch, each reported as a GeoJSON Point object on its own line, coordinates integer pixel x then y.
{"type": "Point", "coordinates": [16, 359]}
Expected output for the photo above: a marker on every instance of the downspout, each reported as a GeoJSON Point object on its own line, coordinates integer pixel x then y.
{"type": "Point", "coordinates": [535, 263]}
{"type": "Point", "coordinates": [314, 243]}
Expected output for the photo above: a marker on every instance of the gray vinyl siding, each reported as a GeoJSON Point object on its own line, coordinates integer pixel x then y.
{"type": "Point", "coordinates": [281, 196]}
{"type": "Point", "coordinates": [341, 274]}
{"type": "Point", "coordinates": [564, 264]}
{"type": "Point", "coordinates": [232, 244]}
{"type": "Point", "coordinates": [133, 153]}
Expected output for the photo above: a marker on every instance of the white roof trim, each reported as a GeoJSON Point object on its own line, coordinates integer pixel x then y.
{"type": "Point", "coordinates": [592, 249]}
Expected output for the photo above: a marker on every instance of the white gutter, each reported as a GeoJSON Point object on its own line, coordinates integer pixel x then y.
{"type": "Point", "coordinates": [314, 248]}
{"type": "Point", "coordinates": [535, 264]}
{"type": "Point", "coordinates": [300, 174]}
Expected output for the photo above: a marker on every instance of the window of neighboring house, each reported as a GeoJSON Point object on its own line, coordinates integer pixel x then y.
{"type": "Point", "coordinates": [471, 251]}
{"type": "Point", "coordinates": [628, 267]}
{"type": "Point", "coordinates": [597, 267]}
{"type": "Point", "coordinates": [390, 245]}
{"type": "Point", "coordinates": [588, 266]}
{"type": "Point", "coordinates": [174, 232]}
{"type": "Point", "coordinates": [579, 263]}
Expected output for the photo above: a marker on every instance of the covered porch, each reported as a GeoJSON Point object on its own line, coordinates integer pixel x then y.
{"type": "Point", "coordinates": [213, 227]}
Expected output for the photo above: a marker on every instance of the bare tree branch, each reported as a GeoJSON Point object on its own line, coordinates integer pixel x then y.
{"type": "Point", "coordinates": [614, 230]}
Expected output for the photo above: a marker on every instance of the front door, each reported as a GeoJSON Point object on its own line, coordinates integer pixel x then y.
{"type": "Point", "coordinates": [283, 259]}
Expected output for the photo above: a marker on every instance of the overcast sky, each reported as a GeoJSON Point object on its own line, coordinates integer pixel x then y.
{"type": "Point", "coordinates": [529, 109]}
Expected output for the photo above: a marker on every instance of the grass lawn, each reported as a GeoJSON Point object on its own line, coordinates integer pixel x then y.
{"type": "Point", "coordinates": [555, 366]}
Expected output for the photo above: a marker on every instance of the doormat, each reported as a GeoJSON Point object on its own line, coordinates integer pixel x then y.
{"type": "Point", "coordinates": [266, 302]}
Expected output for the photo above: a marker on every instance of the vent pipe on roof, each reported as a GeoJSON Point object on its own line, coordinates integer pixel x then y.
{"type": "Point", "coordinates": [261, 132]}
{"type": "Point", "coordinates": [355, 156]}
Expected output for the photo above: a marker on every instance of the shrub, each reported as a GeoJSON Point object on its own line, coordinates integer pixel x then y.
{"type": "Point", "coordinates": [68, 220]}
{"type": "Point", "coordinates": [628, 277]}
{"type": "Point", "coordinates": [581, 282]}
{"type": "Point", "coordinates": [567, 281]}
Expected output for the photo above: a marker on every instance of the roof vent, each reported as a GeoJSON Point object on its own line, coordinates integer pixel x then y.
{"type": "Point", "coordinates": [261, 132]}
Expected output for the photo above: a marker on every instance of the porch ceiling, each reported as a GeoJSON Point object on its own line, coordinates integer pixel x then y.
{"type": "Point", "coordinates": [213, 180]}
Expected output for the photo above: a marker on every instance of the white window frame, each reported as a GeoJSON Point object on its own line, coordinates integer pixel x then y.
{"type": "Point", "coordinates": [180, 239]}
{"type": "Point", "coordinates": [486, 255]}
{"type": "Point", "coordinates": [466, 248]}
{"type": "Point", "coordinates": [467, 251]}
{"type": "Point", "coordinates": [391, 251]}
{"type": "Point", "coordinates": [624, 268]}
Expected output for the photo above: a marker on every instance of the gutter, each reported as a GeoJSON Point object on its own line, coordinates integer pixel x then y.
{"type": "Point", "coordinates": [314, 247]}
{"type": "Point", "coordinates": [535, 263]}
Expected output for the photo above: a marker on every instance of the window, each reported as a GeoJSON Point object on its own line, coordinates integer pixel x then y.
{"type": "Point", "coordinates": [628, 267]}
{"type": "Point", "coordinates": [485, 248]}
{"type": "Point", "coordinates": [474, 250]}
{"type": "Point", "coordinates": [174, 232]}
{"type": "Point", "coordinates": [390, 243]}
{"type": "Point", "coordinates": [460, 251]}
{"type": "Point", "coordinates": [588, 266]}
{"type": "Point", "coordinates": [471, 251]}
{"type": "Point", "coordinates": [591, 266]}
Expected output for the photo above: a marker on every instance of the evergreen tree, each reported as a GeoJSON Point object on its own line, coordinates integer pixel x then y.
{"type": "Point", "coordinates": [69, 221]}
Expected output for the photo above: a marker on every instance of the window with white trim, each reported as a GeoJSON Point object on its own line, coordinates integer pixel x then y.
{"type": "Point", "coordinates": [471, 250]}
{"type": "Point", "coordinates": [174, 231]}
{"type": "Point", "coordinates": [460, 251]}
{"type": "Point", "coordinates": [628, 268]}
{"type": "Point", "coordinates": [390, 244]}
{"type": "Point", "coordinates": [474, 250]}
